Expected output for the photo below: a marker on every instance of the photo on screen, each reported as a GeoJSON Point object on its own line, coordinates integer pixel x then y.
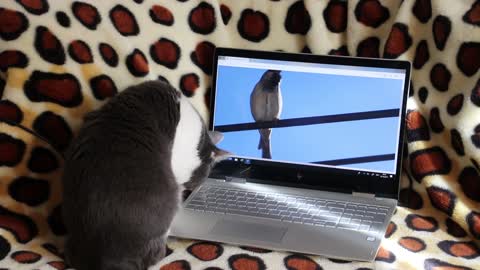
{"type": "Point", "coordinates": [336, 120]}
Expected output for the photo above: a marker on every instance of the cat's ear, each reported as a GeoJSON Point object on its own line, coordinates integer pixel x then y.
{"type": "Point", "coordinates": [220, 154]}
{"type": "Point", "coordinates": [215, 136]}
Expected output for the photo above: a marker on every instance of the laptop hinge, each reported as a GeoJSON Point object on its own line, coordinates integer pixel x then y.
{"type": "Point", "coordinates": [235, 179]}
{"type": "Point", "coordinates": [363, 195]}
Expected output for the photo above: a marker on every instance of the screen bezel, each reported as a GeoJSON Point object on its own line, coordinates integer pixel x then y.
{"type": "Point", "coordinates": [308, 176]}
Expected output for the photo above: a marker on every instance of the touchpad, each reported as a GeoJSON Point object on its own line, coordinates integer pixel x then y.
{"type": "Point", "coordinates": [247, 230]}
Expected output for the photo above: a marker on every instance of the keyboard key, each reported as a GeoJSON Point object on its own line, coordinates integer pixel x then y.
{"type": "Point", "coordinates": [265, 215]}
{"type": "Point", "coordinates": [292, 209]}
{"type": "Point", "coordinates": [198, 208]}
{"type": "Point", "coordinates": [296, 215]}
{"type": "Point", "coordinates": [237, 212]}
{"type": "Point", "coordinates": [320, 203]}
{"type": "Point", "coordinates": [297, 220]}
{"type": "Point", "coordinates": [311, 201]}
{"type": "Point", "coordinates": [306, 216]}
{"type": "Point", "coordinates": [330, 224]}
{"type": "Point", "coordinates": [336, 205]}
{"type": "Point", "coordinates": [308, 222]}
{"type": "Point", "coordinates": [326, 218]}
{"type": "Point", "coordinates": [192, 205]}
{"type": "Point", "coordinates": [344, 220]}
{"type": "Point", "coordinates": [222, 205]}
{"type": "Point", "coordinates": [307, 219]}
{"type": "Point", "coordinates": [356, 221]}
{"type": "Point", "coordinates": [321, 213]}
{"type": "Point", "coordinates": [319, 223]}
{"type": "Point", "coordinates": [287, 219]}
{"type": "Point", "coordinates": [291, 199]}
{"type": "Point", "coordinates": [366, 222]}
{"type": "Point", "coordinates": [274, 212]}
{"type": "Point", "coordinates": [271, 200]}
{"type": "Point", "coordinates": [261, 205]}
{"type": "Point", "coordinates": [337, 209]}
{"type": "Point", "coordinates": [303, 210]}
{"type": "Point", "coordinates": [348, 226]}
{"type": "Point", "coordinates": [283, 204]}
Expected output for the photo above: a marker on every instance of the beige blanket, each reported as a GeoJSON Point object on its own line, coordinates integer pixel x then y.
{"type": "Point", "coordinates": [61, 59]}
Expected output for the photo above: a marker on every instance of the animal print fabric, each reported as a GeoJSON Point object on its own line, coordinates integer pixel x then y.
{"type": "Point", "coordinates": [61, 59]}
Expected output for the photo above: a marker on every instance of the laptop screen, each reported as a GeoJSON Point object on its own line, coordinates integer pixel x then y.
{"type": "Point", "coordinates": [344, 117]}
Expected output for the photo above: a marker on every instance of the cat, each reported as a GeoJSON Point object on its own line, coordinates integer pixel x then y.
{"type": "Point", "coordinates": [124, 172]}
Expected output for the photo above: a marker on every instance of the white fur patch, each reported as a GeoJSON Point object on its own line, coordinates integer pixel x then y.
{"type": "Point", "coordinates": [185, 157]}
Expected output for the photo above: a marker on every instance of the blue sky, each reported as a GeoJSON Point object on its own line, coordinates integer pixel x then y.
{"type": "Point", "coordinates": [309, 94]}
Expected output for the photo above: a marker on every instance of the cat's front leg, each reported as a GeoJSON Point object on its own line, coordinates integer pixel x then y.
{"type": "Point", "coordinates": [157, 251]}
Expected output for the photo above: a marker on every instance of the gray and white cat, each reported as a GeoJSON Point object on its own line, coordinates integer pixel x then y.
{"type": "Point", "coordinates": [123, 176]}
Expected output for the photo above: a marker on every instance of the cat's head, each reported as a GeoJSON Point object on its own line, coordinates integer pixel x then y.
{"type": "Point", "coordinates": [194, 149]}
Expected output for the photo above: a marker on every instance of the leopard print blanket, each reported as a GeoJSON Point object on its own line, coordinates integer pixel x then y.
{"type": "Point", "coordinates": [61, 59]}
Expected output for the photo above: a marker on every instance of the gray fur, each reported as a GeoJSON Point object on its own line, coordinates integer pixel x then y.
{"type": "Point", "coordinates": [120, 194]}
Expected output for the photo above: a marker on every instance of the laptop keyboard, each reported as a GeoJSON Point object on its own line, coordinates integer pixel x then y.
{"type": "Point", "coordinates": [289, 208]}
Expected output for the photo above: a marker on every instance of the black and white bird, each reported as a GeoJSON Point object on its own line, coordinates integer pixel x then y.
{"type": "Point", "coordinates": [266, 105]}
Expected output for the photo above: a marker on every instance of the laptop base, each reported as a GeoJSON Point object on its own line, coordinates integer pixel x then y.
{"type": "Point", "coordinates": [281, 235]}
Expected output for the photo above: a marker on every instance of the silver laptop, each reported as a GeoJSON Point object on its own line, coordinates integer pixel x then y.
{"type": "Point", "coordinates": [318, 151]}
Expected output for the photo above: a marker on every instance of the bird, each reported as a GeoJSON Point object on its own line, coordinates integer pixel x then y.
{"type": "Point", "coordinates": [266, 105]}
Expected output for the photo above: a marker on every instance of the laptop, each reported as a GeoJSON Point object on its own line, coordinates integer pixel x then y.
{"type": "Point", "coordinates": [317, 143]}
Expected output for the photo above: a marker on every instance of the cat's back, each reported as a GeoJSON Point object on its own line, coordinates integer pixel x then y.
{"type": "Point", "coordinates": [124, 144]}
{"type": "Point", "coordinates": [142, 109]}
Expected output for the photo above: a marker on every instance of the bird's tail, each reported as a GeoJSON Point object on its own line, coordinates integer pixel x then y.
{"type": "Point", "coordinates": [264, 142]}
